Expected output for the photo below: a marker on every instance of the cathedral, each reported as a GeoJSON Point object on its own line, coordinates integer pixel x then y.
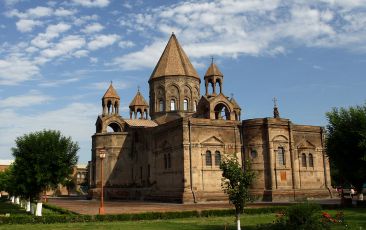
{"type": "Point", "coordinates": [170, 149]}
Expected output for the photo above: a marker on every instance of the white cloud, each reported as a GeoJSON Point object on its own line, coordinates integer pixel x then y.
{"type": "Point", "coordinates": [83, 19]}
{"type": "Point", "coordinates": [14, 70]}
{"type": "Point", "coordinates": [27, 25]}
{"type": "Point", "coordinates": [64, 119]}
{"type": "Point", "coordinates": [40, 12]}
{"type": "Point", "coordinates": [53, 31]}
{"type": "Point", "coordinates": [92, 3]}
{"type": "Point", "coordinates": [61, 12]}
{"type": "Point", "coordinates": [105, 84]}
{"type": "Point", "coordinates": [65, 47]}
{"type": "Point", "coordinates": [92, 28]}
{"type": "Point", "coordinates": [101, 41]}
{"type": "Point", "coordinates": [126, 44]}
{"type": "Point", "coordinates": [147, 57]}
{"type": "Point", "coordinates": [81, 53]}
{"type": "Point", "coordinates": [93, 60]}
{"type": "Point", "coordinates": [32, 98]}
{"type": "Point", "coordinates": [56, 83]}
{"type": "Point", "coordinates": [236, 27]}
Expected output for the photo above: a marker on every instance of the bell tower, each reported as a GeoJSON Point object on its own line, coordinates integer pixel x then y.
{"type": "Point", "coordinates": [138, 106]}
{"type": "Point", "coordinates": [212, 77]}
{"type": "Point", "coordinates": [110, 102]}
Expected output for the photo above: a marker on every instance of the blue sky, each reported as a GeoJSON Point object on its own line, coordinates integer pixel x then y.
{"type": "Point", "coordinates": [58, 57]}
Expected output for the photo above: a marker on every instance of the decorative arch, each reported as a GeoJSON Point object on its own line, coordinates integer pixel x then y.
{"type": "Point", "coordinates": [116, 127]}
{"type": "Point", "coordinates": [280, 138]}
{"type": "Point", "coordinates": [222, 111]}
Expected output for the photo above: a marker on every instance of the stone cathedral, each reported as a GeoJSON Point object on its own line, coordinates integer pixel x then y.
{"type": "Point", "coordinates": [170, 149]}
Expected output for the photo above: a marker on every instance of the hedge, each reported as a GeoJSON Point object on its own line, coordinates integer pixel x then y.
{"type": "Point", "coordinates": [58, 209]}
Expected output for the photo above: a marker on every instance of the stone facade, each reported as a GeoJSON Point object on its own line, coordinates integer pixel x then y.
{"type": "Point", "coordinates": [175, 156]}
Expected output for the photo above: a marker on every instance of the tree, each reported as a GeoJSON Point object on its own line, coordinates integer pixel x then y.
{"type": "Point", "coordinates": [346, 143]}
{"type": "Point", "coordinates": [235, 183]}
{"type": "Point", "coordinates": [43, 160]}
{"type": "Point", "coordinates": [69, 183]}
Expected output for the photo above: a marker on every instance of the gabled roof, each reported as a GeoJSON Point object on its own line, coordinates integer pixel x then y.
{"type": "Point", "coordinates": [213, 70]}
{"type": "Point", "coordinates": [174, 62]}
{"type": "Point", "coordinates": [235, 104]}
{"type": "Point", "coordinates": [138, 100]}
{"type": "Point", "coordinates": [111, 93]}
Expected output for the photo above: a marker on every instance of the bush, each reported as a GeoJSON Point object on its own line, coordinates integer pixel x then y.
{"type": "Point", "coordinates": [304, 216]}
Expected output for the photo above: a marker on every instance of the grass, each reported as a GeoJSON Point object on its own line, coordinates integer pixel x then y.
{"type": "Point", "coordinates": [355, 218]}
{"type": "Point", "coordinates": [212, 223]}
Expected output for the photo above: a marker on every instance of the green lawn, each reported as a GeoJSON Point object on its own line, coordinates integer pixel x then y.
{"type": "Point", "coordinates": [355, 218]}
{"type": "Point", "coordinates": [184, 224]}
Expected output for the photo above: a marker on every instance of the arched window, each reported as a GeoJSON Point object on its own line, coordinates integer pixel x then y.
{"type": "Point", "coordinates": [217, 158]}
{"type": "Point", "coordinates": [208, 158]}
{"type": "Point", "coordinates": [161, 106]}
{"type": "Point", "coordinates": [172, 105]}
{"type": "Point", "coordinates": [113, 127]}
{"type": "Point", "coordinates": [281, 156]}
{"type": "Point", "coordinates": [303, 160]}
{"type": "Point", "coordinates": [311, 160]}
{"type": "Point", "coordinates": [185, 104]}
{"type": "Point", "coordinates": [222, 112]}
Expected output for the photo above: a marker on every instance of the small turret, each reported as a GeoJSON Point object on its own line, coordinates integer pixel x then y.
{"type": "Point", "coordinates": [213, 75]}
{"type": "Point", "coordinates": [110, 102]}
{"type": "Point", "coordinates": [138, 105]}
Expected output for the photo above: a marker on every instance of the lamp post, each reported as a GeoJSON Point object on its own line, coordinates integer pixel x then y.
{"type": "Point", "coordinates": [101, 157]}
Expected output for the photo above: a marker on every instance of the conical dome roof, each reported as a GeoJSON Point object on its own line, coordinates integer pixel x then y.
{"type": "Point", "coordinates": [111, 92]}
{"type": "Point", "coordinates": [213, 70]}
{"type": "Point", "coordinates": [138, 100]}
{"type": "Point", "coordinates": [174, 62]}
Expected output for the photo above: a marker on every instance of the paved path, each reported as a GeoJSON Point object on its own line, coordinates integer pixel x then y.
{"type": "Point", "coordinates": [91, 207]}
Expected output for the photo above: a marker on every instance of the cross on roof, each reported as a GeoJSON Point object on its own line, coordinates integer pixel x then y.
{"type": "Point", "coordinates": [275, 101]}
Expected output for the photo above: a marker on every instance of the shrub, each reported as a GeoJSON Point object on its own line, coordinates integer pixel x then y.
{"type": "Point", "coordinates": [58, 209]}
{"type": "Point", "coordinates": [305, 216]}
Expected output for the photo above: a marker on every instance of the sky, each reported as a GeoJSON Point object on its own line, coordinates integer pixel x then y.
{"type": "Point", "coordinates": [57, 58]}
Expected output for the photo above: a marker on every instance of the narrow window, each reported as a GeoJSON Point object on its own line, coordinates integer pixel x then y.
{"type": "Point", "coordinates": [141, 174]}
{"type": "Point", "coordinates": [169, 161]}
{"type": "Point", "coordinates": [172, 105]}
{"type": "Point", "coordinates": [281, 156]}
{"type": "Point", "coordinates": [161, 106]}
{"type": "Point", "coordinates": [208, 158]}
{"type": "Point", "coordinates": [185, 105]}
{"type": "Point", "coordinates": [217, 158]}
{"type": "Point", "coordinates": [311, 160]}
{"type": "Point", "coordinates": [303, 160]}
